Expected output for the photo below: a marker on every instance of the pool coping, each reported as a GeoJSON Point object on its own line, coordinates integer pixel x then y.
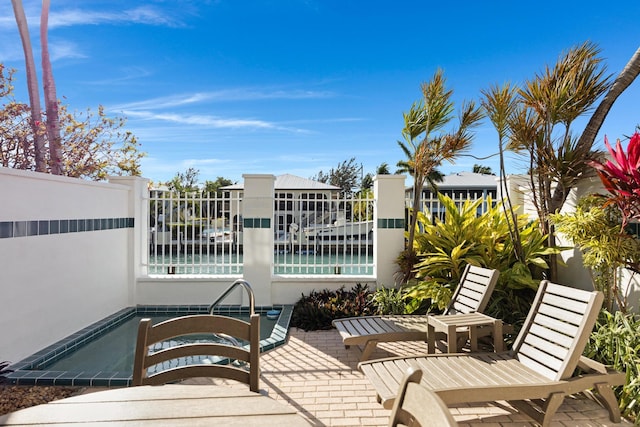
{"type": "Point", "coordinates": [28, 372]}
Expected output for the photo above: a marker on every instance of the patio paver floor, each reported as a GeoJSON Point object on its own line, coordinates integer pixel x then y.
{"type": "Point", "coordinates": [314, 373]}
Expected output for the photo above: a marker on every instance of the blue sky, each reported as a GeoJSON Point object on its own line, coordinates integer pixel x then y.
{"type": "Point", "coordinates": [296, 86]}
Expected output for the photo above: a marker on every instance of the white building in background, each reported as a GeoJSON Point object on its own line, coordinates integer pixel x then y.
{"type": "Point", "coordinates": [297, 199]}
{"type": "Point", "coordinates": [460, 187]}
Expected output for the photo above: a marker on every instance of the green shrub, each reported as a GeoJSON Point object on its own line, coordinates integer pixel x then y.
{"type": "Point", "coordinates": [616, 342]}
{"type": "Point", "coordinates": [464, 237]}
{"type": "Point", "coordinates": [319, 308]}
{"type": "Point", "coordinates": [389, 300]}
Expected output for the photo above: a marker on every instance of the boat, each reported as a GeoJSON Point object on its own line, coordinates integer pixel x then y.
{"type": "Point", "coordinates": [340, 231]}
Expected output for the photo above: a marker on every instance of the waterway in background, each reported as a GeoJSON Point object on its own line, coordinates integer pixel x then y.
{"type": "Point", "coordinates": [284, 263]}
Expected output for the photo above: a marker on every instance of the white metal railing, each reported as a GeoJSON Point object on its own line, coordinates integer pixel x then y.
{"type": "Point", "coordinates": [194, 233]}
{"type": "Point", "coordinates": [313, 233]}
{"type": "Point", "coordinates": [323, 236]}
{"type": "Point", "coordinates": [430, 203]}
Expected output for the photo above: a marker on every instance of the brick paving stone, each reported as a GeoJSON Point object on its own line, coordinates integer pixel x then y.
{"type": "Point", "coordinates": [315, 374]}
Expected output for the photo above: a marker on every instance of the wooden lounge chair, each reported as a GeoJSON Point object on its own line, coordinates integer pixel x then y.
{"type": "Point", "coordinates": [417, 406]}
{"type": "Point", "coordinates": [165, 359]}
{"type": "Point", "coordinates": [471, 295]}
{"type": "Point", "coordinates": [534, 377]}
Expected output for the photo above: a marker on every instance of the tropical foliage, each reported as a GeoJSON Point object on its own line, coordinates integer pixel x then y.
{"type": "Point", "coordinates": [389, 300]}
{"type": "Point", "coordinates": [597, 229]}
{"type": "Point", "coordinates": [621, 176]}
{"type": "Point", "coordinates": [463, 237]}
{"type": "Point", "coordinates": [541, 129]}
{"type": "Point", "coordinates": [316, 310]}
{"type": "Point", "coordinates": [425, 143]}
{"type": "Point", "coordinates": [615, 342]}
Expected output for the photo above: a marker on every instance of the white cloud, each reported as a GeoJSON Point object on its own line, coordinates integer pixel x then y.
{"type": "Point", "coordinates": [147, 15]}
{"type": "Point", "coordinates": [62, 49]}
{"type": "Point", "coordinates": [226, 95]}
{"type": "Point", "coordinates": [207, 121]}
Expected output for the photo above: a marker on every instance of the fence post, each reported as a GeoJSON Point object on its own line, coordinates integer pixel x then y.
{"type": "Point", "coordinates": [139, 240]}
{"type": "Point", "coordinates": [257, 219]}
{"type": "Point", "coordinates": [389, 225]}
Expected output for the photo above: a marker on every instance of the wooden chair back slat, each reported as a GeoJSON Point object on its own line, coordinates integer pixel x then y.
{"type": "Point", "coordinates": [150, 335]}
{"type": "Point", "coordinates": [557, 329]}
{"type": "Point", "coordinates": [473, 291]}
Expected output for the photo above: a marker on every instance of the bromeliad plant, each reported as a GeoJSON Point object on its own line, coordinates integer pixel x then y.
{"type": "Point", "coordinates": [463, 237]}
{"type": "Point", "coordinates": [621, 177]}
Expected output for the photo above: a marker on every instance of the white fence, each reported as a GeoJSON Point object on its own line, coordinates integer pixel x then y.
{"type": "Point", "coordinates": [313, 233]}
{"type": "Point", "coordinates": [430, 203]}
{"type": "Point", "coordinates": [194, 233]}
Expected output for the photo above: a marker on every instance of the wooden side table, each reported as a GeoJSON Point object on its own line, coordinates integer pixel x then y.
{"type": "Point", "coordinates": [452, 323]}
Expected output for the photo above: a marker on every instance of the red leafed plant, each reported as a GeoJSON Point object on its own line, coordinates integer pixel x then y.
{"type": "Point", "coordinates": [621, 176]}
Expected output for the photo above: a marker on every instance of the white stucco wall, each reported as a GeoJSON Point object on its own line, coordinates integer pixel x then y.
{"type": "Point", "coordinates": [53, 285]}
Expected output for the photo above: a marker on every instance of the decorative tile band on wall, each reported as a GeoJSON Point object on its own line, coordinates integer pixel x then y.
{"type": "Point", "coordinates": [390, 222]}
{"type": "Point", "coordinates": [256, 222]}
{"type": "Point", "coordinates": [45, 227]}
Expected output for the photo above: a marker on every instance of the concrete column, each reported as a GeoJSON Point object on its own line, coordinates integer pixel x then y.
{"type": "Point", "coordinates": [389, 225]}
{"type": "Point", "coordinates": [257, 218]}
{"type": "Point", "coordinates": [138, 238]}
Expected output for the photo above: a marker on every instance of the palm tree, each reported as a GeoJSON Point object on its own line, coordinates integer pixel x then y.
{"type": "Point", "coordinates": [425, 145]}
{"type": "Point", "coordinates": [484, 170]}
{"type": "Point", "coordinates": [540, 127]}
{"type": "Point", "coordinates": [383, 169]}
{"type": "Point", "coordinates": [620, 84]}
{"type": "Point", "coordinates": [50, 97]}
{"type": "Point", "coordinates": [32, 86]}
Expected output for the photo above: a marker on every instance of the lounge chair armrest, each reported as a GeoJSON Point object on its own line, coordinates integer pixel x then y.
{"type": "Point", "coordinates": [590, 365]}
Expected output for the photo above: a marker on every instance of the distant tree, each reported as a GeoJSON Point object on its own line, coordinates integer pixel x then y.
{"type": "Point", "coordinates": [484, 170]}
{"type": "Point", "coordinates": [213, 187]}
{"type": "Point", "coordinates": [185, 182]}
{"type": "Point", "coordinates": [15, 146]}
{"type": "Point", "coordinates": [93, 146]}
{"type": "Point", "coordinates": [425, 145]}
{"type": "Point", "coordinates": [346, 176]}
{"type": "Point", "coordinates": [94, 149]}
{"type": "Point", "coordinates": [383, 169]}
{"type": "Point", "coordinates": [367, 182]}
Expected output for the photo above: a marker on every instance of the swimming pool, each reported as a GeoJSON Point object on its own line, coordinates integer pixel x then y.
{"type": "Point", "coordinates": [102, 353]}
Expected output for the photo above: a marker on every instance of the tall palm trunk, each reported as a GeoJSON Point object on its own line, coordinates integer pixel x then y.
{"type": "Point", "coordinates": [50, 97]}
{"type": "Point", "coordinates": [32, 85]}
{"type": "Point", "coordinates": [620, 84]}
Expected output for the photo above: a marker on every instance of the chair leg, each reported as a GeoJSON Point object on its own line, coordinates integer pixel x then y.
{"type": "Point", "coordinates": [608, 398]}
{"type": "Point", "coordinates": [541, 411]}
{"type": "Point", "coordinates": [368, 349]}
{"type": "Point", "coordinates": [551, 406]}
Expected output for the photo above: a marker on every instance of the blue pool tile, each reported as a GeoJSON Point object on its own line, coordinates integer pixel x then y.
{"type": "Point", "coordinates": [6, 229]}
{"type": "Point", "coordinates": [30, 377]}
{"type": "Point", "coordinates": [43, 228]}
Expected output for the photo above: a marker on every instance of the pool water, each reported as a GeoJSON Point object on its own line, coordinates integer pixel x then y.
{"type": "Point", "coordinates": [102, 354]}
{"type": "Point", "coordinates": [114, 350]}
